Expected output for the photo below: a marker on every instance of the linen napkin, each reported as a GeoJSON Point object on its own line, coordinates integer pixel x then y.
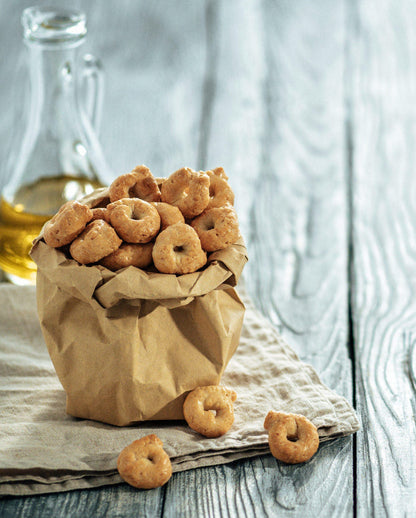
{"type": "Point", "coordinates": [44, 450]}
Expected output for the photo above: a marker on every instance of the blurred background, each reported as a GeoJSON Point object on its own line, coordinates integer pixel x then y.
{"type": "Point", "coordinates": [184, 86]}
{"type": "Point", "coordinates": [151, 113]}
{"type": "Point", "coordinates": [310, 108]}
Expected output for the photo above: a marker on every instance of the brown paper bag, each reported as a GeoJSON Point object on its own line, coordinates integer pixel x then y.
{"type": "Point", "coordinates": [127, 346]}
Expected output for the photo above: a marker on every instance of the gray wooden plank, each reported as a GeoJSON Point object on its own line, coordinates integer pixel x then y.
{"type": "Point", "coordinates": [118, 500]}
{"type": "Point", "coordinates": [154, 58]}
{"type": "Point", "coordinates": [384, 307]}
{"type": "Point", "coordinates": [154, 53]}
{"type": "Point", "coordinates": [235, 115]}
{"type": "Point", "coordinates": [264, 487]}
{"type": "Point", "coordinates": [263, 113]}
{"type": "Point", "coordinates": [277, 126]}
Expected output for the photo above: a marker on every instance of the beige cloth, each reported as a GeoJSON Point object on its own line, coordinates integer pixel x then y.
{"type": "Point", "coordinates": [43, 450]}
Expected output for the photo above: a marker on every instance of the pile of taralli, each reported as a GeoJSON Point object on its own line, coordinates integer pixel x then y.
{"type": "Point", "coordinates": [210, 412]}
{"type": "Point", "coordinates": [172, 223]}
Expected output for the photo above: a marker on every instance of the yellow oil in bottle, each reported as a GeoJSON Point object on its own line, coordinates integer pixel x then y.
{"type": "Point", "coordinates": [22, 218]}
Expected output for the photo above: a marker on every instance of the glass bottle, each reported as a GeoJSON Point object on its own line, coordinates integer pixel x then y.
{"type": "Point", "coordinates": [55, 154]}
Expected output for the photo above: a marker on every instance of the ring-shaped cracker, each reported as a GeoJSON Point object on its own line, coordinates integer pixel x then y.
{"type": "Point", "coordinates": [210, 410]}
{"type": "Point", "coordinates": [292, 438]}
{"type": "Point", "coordinates": [178, 250]}
{"type": "Point", "coordinates": [219, 171]}
{"type": "Point", "coordinates": [217, 228]}
{"type": "Point", "coordinates": [97, 240]}
{"type": "Point", "coordinates": [129, 254]}
{"type": "Point", "coordinates": [134, 220]}
{"type": "Point", "coordinates": [101, 213]}
{"type": "Point", "coordinates": [139, 183]}
{"type": "Point", "coordinates": [188, 190]}
{"type": "Point", "coordinates": [144, 463]}
{"type": "Point", "coordinates": [169, 214]}
{"type": "Point", "coordinates": [66, 224]}
{"type": "Point", "coordinates": [220, 192]}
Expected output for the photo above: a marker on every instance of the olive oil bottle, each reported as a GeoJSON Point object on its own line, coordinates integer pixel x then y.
{"type": "Point", "coordinates": [22, 221]}
{"type": "Point", "coordinates": [55, 154]}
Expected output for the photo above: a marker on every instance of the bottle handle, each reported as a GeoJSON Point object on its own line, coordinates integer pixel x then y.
{"type": "Point", "coordinates": [93, 82]}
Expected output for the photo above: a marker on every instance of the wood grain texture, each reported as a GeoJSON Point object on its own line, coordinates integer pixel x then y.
{"type": "Point", "coordinates": [257, 87]}
{"type": "Point", "coordinates": [298, 225]}
{"type": "Point", "coordinates": [384, 228]}
{"type": "Point", "coordinates": [264, 487]}
{"type": "Point", "coordinates": [155, 54]}
{"type": "Point", "coordinates": [118, 500]}
{"type": "Point", "coordinates": [277, 125]}
{"type": "Point", "coordinates": [236, 112]}
{"type": "Point", "coordinates": [154, 57]}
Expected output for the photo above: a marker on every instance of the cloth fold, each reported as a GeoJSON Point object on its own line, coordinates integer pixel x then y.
{"type": "Point", "coordinates": [44, 450]}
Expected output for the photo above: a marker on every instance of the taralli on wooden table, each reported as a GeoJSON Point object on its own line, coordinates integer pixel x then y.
{"type": "Point", "coordinates": [67, 224]}
{"type": "Point", "coordinates": [144, 463]}
{"type": "Point", "coordinates": [210, 410]}
{"type": "Point", "coordinates": [292, 437]}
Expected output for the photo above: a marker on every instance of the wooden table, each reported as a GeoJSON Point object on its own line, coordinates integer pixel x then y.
{"type": "Point", "coordinates": [310, 108]}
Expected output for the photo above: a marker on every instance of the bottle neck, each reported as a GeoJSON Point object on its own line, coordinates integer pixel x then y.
{"type": "Point", "coordinates": [52, 73]}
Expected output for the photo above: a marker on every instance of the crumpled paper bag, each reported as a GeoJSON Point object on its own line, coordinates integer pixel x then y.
{"type": "Point", "coordinates": [127, 346]}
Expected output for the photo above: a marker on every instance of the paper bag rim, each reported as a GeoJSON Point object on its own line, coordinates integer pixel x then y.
{"type": "Point", "coordinates": [132, 283]}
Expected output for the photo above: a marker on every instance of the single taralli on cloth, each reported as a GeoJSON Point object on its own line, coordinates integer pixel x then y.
{"type": "Point", "coordinates": [210, 410]}
{"type": "Point", "coordinates": [144, 463]}
{"type": "Point", "coordinates": [166, 224]}
{"type": "Point", "coordinates": [292, 438]}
